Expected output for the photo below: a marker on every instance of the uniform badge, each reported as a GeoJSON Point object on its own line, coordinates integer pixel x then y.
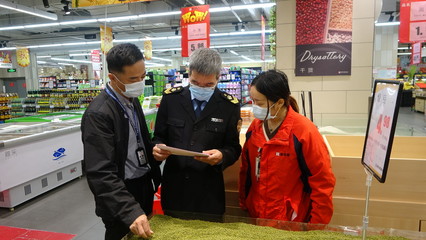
{"type": "Point", "coordinates": [230, 98]}
{"type": "Point", "coordinates": [173, 90]}
{"type": "Point", "coordinates": [218, 120]}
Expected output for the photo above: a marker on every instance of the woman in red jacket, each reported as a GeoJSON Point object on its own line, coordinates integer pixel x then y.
{"type": "Point", "coordinates": [285, 172]}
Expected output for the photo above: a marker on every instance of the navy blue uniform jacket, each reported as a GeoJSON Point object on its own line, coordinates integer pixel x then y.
{"type": "Point", "coordinates": [189, 185]}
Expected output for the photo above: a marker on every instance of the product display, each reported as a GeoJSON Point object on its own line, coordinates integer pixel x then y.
{"type": "Point", "coordinates": [236, 81]}
{"type": "Point", "coordinates": [52, 100]}
{"type": "Point", "coordinates": [166, 227]}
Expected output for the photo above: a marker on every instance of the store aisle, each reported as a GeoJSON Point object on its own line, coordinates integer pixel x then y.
{"type": "Point", "coordinates": [67, 209]}
{"type": "Point", "coordinates": [70, 208]}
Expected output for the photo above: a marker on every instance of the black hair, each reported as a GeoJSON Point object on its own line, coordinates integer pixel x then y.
{"type": "Point", "coordinates": [121, 55]}
{"type": "Point", "coordinates": [274, 85]}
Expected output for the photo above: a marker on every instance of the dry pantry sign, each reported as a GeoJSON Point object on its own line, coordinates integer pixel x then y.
{"type": "Point", "coordinates": [323, 37]}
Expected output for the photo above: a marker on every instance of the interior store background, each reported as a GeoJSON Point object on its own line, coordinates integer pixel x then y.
{"type": "Point", "coordinates": [338, 101]}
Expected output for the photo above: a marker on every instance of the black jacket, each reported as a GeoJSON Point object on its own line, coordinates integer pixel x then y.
{"type": "Point", "coordinates": [189, 185]}
{"type": "Point", "coordinates": [105, 135]}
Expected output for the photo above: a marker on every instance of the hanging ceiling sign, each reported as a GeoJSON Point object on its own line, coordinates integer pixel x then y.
{"type": "Point", "coordinates": [412, 27]}
{"type": "Point", "coordinates": [23, 57]}
{"type": "Point", "coordinates": [5, 59]}
{"type": "Point", "coordinates": [89, 3]}
{"type": "Point", "coordinates": [195, 28]}
{"type": "Point", "coordinates": [147, 47]}
{"type": "Point", "coordinates": [106, 39]}
{"type": "Point", "coordinates": [323, 37]}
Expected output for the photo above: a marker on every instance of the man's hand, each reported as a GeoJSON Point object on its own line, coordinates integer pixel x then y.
{"type": "Point", "coordinates": [140, 227]}
{"type": "Point", "coordinates": [160, 155]}
{"type": "Point", "coordinates": [214, 158]}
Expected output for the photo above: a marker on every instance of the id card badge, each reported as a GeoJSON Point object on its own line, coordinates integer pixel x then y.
{"type": "Point", "coordinates": [257, 168]}
{"type": "Point", "coordinates": [141, 156]}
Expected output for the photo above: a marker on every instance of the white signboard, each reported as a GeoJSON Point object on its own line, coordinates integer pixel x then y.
{"type": "Point", "coordinates": [381, 127]}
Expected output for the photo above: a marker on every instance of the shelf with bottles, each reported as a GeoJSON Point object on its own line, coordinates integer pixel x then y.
{"type": "Point", "coordinates": [55, 100]}
{"type": "Point", "coordinates": [5, 105]}
{"type": "Point", "coordinates": [17, 109]}
{"type": "Point", "coordinates": [69, 83]}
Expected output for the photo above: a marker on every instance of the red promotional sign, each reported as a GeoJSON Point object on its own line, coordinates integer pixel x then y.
{"type": "Point", "coordinates": [195, 28]}
{"type": "Point", "coordinates": [412, 17]}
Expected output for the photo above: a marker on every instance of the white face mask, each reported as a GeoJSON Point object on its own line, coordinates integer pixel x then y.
{"type": "Point", "coordinates": [133, 89]}
{"type": "Point", "coordinates": [201, 93]}
{"type": "Point", "coordinates": [262, 113]}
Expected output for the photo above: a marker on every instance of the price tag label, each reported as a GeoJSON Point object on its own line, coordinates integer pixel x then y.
{"type": "Point", "coordinates": [418, 31]}
{"type": "Point", "coordinates": [194, 45]}
{"type": "Point", "coordinates": [82, 106]}
{"type": "Point", "coordinates": [37, 106]}
{"type": "Point", "coordinates": [24, 106]}
{"type": "Point", "coordinates": [52, 106]}
{"type": "Point", "coordinates": [66, 106]}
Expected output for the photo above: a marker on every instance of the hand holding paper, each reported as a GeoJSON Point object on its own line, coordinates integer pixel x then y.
{"type": "Point", "coordinates": [180, 152]}
{"type": "Point", "coordinates": [214, 157]}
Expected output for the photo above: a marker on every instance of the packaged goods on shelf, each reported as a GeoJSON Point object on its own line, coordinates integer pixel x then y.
{"type": "Point", "coordinates": [236, 81]}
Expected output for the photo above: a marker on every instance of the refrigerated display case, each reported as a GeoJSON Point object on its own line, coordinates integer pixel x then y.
{"type": "Point", "coordinates": [36, 157]}
{"type": "Point", "coordinates": [50, 117]}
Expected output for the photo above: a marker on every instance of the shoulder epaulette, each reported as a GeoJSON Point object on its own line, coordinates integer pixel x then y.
{"type": "Point", "coordinates": [230, 98]}
{"type": "Point", "coordinates": [173, 90]}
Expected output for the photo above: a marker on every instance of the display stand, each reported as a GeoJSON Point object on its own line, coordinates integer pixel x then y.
{"type": "Point", "coordinates": [379, 137]}
{"type": "Point", "coordinates": [367, 198]}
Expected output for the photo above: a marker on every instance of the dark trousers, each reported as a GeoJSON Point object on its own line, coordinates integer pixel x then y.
{"type": "Point", "coordinates": [142, 190]}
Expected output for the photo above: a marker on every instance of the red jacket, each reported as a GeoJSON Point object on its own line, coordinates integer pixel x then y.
{"type": "Point", "coordinates": [295, 182]}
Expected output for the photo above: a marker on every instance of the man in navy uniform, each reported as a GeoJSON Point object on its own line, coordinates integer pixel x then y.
{"type": "Point", "coordinates": [199, 118]}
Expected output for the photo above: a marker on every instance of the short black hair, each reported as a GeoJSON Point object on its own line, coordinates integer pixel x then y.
{"type": "Point", "coordinates": [273, 84]}
{"type": "Point", "coordinates": [121, 55]}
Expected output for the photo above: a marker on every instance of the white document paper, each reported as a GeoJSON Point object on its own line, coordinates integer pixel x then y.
{"type": "Point", "coordinates": [182, 152]}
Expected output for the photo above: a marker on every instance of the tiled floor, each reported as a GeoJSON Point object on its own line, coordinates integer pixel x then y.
{"type": "Point", "coordinates": [70, 208]}
{"type": "Point", "coordinates": [67, 209]}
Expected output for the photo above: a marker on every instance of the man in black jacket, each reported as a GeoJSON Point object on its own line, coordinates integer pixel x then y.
{"type": "Point", "coordinates": [198, 118]}
{"type": "Point", "coordinates": [120, 168]}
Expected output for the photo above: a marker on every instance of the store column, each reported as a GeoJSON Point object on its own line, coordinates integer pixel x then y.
{"type": "Point", "coordinates": [177, 62]}
{"type": "Point", "coordinates": [31, 73]}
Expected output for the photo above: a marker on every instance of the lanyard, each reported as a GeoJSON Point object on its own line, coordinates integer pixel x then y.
{"type": "Point", "coordinates": [133, 123]}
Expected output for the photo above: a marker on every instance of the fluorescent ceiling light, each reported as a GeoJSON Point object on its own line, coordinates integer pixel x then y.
{"type": "Point", "coordinates": [166, 49]}
{"type": "Point", "coordinates": [78, 22]}
{"type": "Point", "coordinates": [68, 64]}
{"type": "Point", "coordinates": [200, 1]}
{"type": "Point", "coordinates": [79, 54]}
{"type": "Point", "coordinates": [43, 56]}
{"type": "Point", "coordinates": [253, 61]}
{"type": "Point", "coordinates": [28, 10]}
{"type": "Point", "coordinates": [70, 60]}
{"type": "Point", "coordinates": [41, 62]}
{"type": "Point", "coordinates": [41, 25]}
{"type": "Point", "coordinates": [134, 17]}
{"type": "Point", "coordinates": [247, 58]}
{"type": "Point", "coordinates": [162, 59]}
{"type": "Point", "coordinates": [253, 6]}
{"type": "Point", "coordinates": [386, 24]}
{"type": "Point", "coordinates": [408, 53]}
{"type": "Point", "coordinates": [403, 48]}
{"type": "Point", "coordinates": [239, 33]}
{"type": "Point", "coordinates": [159, 14]}
{"type": "Point", "coordinates": [118, 19]}
{"type": "Point", "coordinates": [233, 52]}
{"type": "Point", "coordinates": [220, 9]}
